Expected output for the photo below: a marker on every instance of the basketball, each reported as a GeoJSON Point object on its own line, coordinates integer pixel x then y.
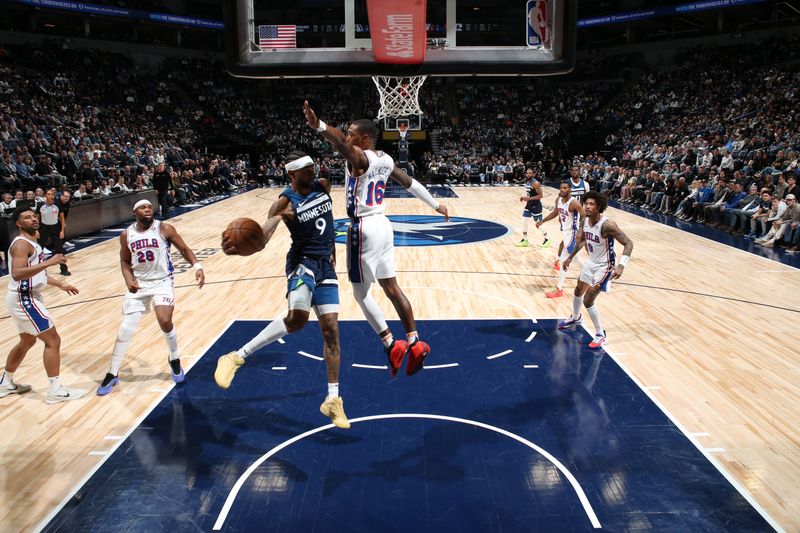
{"type": "Point", "coordinates": [246, 234]}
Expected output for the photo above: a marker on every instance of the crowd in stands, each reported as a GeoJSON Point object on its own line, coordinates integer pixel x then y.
{"type": "Point", "coordinates": [706, 140]}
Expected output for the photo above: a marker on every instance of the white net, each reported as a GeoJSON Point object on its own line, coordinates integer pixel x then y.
{"type": "Point", "coordinates": [399, 95]}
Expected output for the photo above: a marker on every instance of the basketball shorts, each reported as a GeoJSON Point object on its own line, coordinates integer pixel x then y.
{"type": "Point", "coordinates": [570, 240]}
{"type": "Point", "coordinates": [151, 293]}
{"type": "Point", "coordinates": [533, 211]}
{"type": "Point", "coordinates": [28, 311]}
{"type": "Point", "coordinates": [312, 282]}
{"type": "Point", "coordinates": [370, 249]}
{"type": "Point", "coordinates": [597, 274]}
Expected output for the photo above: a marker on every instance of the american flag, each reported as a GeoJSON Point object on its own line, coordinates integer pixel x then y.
{"type": "Point", "coordinates": [280, 36]}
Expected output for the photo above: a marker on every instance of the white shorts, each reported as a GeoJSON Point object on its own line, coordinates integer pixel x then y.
{"type": "Point", "coordinates": [28, 311]}
{"type": "Point", "coordinates": [597, 274]}
{"type": "Point", "coordinates": [370, 249]}
{"type": "Point", "coordinates": [150, 293]}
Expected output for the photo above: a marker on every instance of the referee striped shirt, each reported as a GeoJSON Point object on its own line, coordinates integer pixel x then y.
{"type": "Point", "coordinates": [49, 214]}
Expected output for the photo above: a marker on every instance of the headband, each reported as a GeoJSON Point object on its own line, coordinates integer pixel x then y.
{"type": "Point", "coordinates": [140, 203]}
{"type": "Point", "coordinates": [297, 164]}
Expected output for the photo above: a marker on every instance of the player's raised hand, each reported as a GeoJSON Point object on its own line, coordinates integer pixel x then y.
{"type": "Point", "coordinates": [311, 117]}
{"type": "Point", "coordinates": [442, 209]}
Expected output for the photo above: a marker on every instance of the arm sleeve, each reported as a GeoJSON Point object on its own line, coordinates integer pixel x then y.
{"type": "Point", "coordinates": [420, 192]}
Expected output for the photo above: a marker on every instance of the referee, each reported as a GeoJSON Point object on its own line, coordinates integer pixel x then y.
{"type": "Point", "coordinates": [51, 227]}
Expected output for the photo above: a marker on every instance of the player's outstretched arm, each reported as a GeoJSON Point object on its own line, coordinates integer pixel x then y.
{"type": "Point", "coordinates": [354, 155]}
{"type": "Point", "coordinates": [171, 234]}
{"type": "Point", "coordinates": [418, 191]}
{"type": "Point", "coordinates": [66, 287]}
{"type": "Point", "coordinates": [550, 216]}
{"type": "Point", "coordinates": [610, 228]}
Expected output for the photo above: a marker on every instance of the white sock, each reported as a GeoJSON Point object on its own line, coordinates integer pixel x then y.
{"type": "Point", "coordinates": [369, 307]}
{"type": "Point", "coordinates": [562, 277]}
{"type": "Point", "coordinates": [595, 316]}
{"type": "Point", "coordinates": [172, 343]}
{"type": "Point", "coordinates": [524, 227]}
{"type": "Point", "coordinates": [274, 331]}
{"type": "Point", "coordinates": [543, 233]}
{"type": "Point", "coordinates": [7, 379]}
{"type": "Point", "coordinates": [333, 391]}
{"type": "Point", "coordinates": [55, 384]}
{"type": "Point", "coordinates": [412, 337]}
{"type": "Point", "coordinates": [577, 301]}
{"type": "Point", "coordinates": [124, 336]}
{"type": "Point", "coordinates": [387, 340]}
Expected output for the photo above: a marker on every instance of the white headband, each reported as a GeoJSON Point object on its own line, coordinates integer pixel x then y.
{"type": "Point", "coordinates": [297, 164]}
{"type": "Point", "coordinates": [140, 203]}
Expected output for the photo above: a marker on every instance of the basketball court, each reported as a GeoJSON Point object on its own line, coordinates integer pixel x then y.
{"type": "Point", "coordinates": [684, 422]}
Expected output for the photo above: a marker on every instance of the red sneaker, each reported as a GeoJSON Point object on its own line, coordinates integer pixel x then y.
{"type": "Point", "coordinates": [396, 352]}
{"type": "Point", "coordinates": [555, 293]}
{"type": "Point", "coordinates": [417, 354]}
{"type": "Point", "coordinates": [556, 265]}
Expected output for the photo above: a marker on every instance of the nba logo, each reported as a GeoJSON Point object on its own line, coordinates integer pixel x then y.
{"type": "Point", "coordinates": [536, 11]}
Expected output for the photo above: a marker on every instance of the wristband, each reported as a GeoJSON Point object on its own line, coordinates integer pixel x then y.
{"type": "Point", "coordinates": [198, 266]}
{"type": "Point", "coordinates": [322, 126]}
{"type": "Point", "coordinates": [624, 261]}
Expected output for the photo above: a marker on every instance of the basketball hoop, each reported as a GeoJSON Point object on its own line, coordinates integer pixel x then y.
{"type": "Point", "coordinates": [399, 95]}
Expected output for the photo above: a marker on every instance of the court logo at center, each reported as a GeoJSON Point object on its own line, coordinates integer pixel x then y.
{"type": "Point", "coordinates": [427, 230]}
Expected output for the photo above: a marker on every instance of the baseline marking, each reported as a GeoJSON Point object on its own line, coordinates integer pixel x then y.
{"type": "Point", "coordinates": [587, 507]}
{"type": "Point", "coordinates": [314, 357]}
{"type": "Point", "coordinates": [374, 367]}
{"type": "Point", "coordinates": [501, 354]}
{"type": "Point", "coordinates": [448, 365]}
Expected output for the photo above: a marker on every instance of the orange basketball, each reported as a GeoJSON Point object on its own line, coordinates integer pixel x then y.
{"type": "Point", "coordinates": [246, 234]}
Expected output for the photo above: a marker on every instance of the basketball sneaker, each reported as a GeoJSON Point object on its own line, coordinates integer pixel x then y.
{"type": "Point", "coordinates": [522, 244]}
{"type": "Point", "coordinates": [108, 383]}
{"type": "Point", "coordinates": [598, 341]}
{"type": "Point", "coordinates": [179, 376]}
{"type": "Point", "coordinates": [64, 394]}
{"type": "Point", "coordinates": [547, 243]}
{"type": "Point", "coordinates": [13, 388]}
{"type": "Point", "coordinates": [557, 265]}
{"type": "Point", "coordinates": [568, 323]}
{"type": "Point", "coordinates": [396, 351]}
{"type": "Point", "coordinates": [555, 293]}
{"type": "Point", "coordinates": [227, 365]}
{"type": "Point", "coordinates": [417, 353]}
{"type": "Point", "coordinates": [334, 409]}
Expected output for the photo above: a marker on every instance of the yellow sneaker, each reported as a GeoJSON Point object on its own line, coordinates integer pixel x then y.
{"type": "Point", "coordinates": [334, 408]}
{"type": "Point", "coordinates": [522, 244]}
{"type": "Point", "coordinates": [227, 365]}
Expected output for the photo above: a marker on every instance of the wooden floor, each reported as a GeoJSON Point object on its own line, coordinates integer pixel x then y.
{"type": "Point", "coordinates": [710, 327]}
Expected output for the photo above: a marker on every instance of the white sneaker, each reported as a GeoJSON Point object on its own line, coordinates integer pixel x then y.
{"type": "Point", "coordinates": [64, 394]}
{"type": "Point", "coordinates": [13, 388]}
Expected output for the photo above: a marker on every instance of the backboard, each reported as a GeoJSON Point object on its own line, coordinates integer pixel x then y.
{"type": "Point", "coordinates": [332, 38]}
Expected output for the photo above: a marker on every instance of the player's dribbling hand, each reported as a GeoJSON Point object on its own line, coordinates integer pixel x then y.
{"type": "Point", "coordinates": [69, 289]}
{"type": "Point", "coordinates": [228, 247]}
{"type": "Point", "coordinates": [442, 209]}
{"type": "Point", "coordinates": [311, 117]}
{"type": "Point", "coordinates": [618, 271]}
{"type": "Point", "coordinates": [133, 286]}
{"type": "Point", "coordinates": [200, 277]}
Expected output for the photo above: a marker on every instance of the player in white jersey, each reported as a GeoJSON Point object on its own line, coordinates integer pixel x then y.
{"type": "Point", "coordinates": [27, 279]}
{"type": "Point", "coordinates": [147, 269]}
{"type": "Point", "coordinates": [569, 212]}
{"type": "Point", "coordinates": [597, 236]}
{"type": "Point", "coordinates": [370, 240]}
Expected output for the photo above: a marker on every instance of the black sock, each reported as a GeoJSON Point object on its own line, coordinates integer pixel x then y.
{"type": "Point", "coordinates": [175, 364]}
{"type": "Point", "coordinates": [107, 379]}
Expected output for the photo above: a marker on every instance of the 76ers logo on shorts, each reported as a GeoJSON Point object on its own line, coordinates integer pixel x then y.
{"type": "Point", "coordinates": [425, 230]}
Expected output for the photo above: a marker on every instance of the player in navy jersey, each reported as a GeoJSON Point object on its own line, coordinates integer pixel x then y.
{"type": "Point", "coordinates": [307, 210]}
{"type": "Point", "coordinates": [147, 269]}
{"type": "Point", "coordinates": [533, 208]}
{"type": "Point", "coordinates": [370, 239]}
{"type": "Point", "coordinates": [597, 235]}
{"type": "Point", "coordinates": [578, 186]}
